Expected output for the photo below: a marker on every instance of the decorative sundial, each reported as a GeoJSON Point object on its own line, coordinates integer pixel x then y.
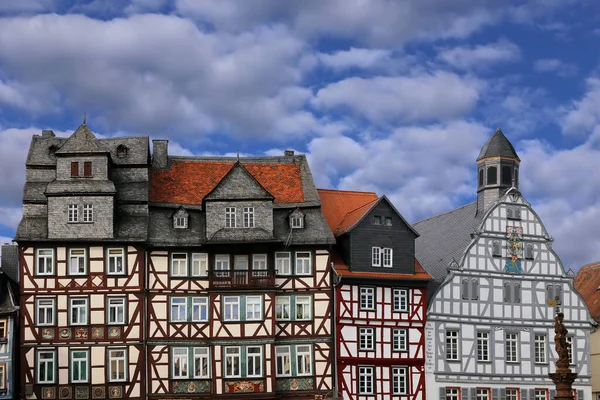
{"type": "Point", "coordinates": [514, 249]}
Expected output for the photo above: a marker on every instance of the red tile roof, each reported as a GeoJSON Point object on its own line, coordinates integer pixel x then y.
{"type": "Point", "coordinates": [188, 182]}
{"type": "Point", "coordinates": [343, 209]}
{"type": "Point", "coordinates": [587, 283]}
{"type": "Point", "coordinates": [342, 269]}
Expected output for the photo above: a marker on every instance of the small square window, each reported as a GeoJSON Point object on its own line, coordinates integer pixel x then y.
{"type": "Point", "coordinates": [78, 311]}
{"type": "Point", "coordinates": [116, 312]}
{"type": "Point", "coordinates": [45, 261]}
{"type": "Point", "coordinates": [366, 338]}
{"type": "Point", "coordinates": [116, 261]}
{"type": "Point", "coordinates": [283, 263]}
{"type": "Point", "coordinates": [388, 221]}
{"type": "Point", "coordinates": [377, 220]}
{"type": "Point", "coordinates": [117, 365]}
{"type": "Point", "coordinates": [303, 263]}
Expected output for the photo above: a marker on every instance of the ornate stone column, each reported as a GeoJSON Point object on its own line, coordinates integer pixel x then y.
{"type": "Point", "coordinates": [563, 378]}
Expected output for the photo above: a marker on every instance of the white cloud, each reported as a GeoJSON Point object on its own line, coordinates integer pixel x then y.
{"type": "Point", "coordinates": [481, 56]}
{"type": "Point", "coordinates": [554, 65]}
{"type": "Point", "coordinates": [583, 115]}
{"type": "Point", "coordinates": [356, 58]}
{"type": "Point", "coordinates": [440, 95]}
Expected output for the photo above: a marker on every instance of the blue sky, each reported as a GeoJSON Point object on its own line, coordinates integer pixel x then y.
{"type": "Point", "coordinates": [386, 96]}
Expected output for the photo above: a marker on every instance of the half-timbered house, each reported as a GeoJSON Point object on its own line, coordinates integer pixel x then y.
{"type": "Point", "coordinates": [239, 294]}
{"type": "Point", "coordinates": [380, 294]}
{"type": "Point", "coordinates": [9, 324]}
{"type": "Point", "coordinates": [82, 267]}
{"type": "Point", "coordinates": [490, 325]}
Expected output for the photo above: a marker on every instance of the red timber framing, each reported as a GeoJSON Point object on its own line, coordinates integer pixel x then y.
{"type": "Point", "coordinates": [96, 338]}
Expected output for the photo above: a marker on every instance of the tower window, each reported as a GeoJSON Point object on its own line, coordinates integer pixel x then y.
{"type": "Point", "coordinates": [516, 177]}
{"type": "Point", "coordinates": [480, 177]}
{"type": "Point", "coordinates": [506, 175]}
{"type": "Point", "coordinates": [492, 175]}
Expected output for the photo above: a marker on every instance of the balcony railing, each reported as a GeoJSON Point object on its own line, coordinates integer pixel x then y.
{"type": "Point", "coordinates": [242, 278]}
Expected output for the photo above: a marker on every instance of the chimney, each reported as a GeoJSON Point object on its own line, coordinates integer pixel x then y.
{"type": "Point", "coordinates": [160, 154]}
{"type": "Point", "coordinates": [288, 153]}
{"type": "Point", "coordinates": [47, 133]}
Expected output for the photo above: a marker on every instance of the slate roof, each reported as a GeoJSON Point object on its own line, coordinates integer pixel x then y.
{"type": "Point", "coordinates": [587, 283]}
{"type": "Point", "coordinates": [445, 237]}
{"type": "Point", "coordinates": [343, 209]}
{"type": "Point", "coordinates": [8, 292]}
{"type": "Point", "coordinates": [498, 146]}
{"type": "Point", "coordinates": [10, 261]}
{"type": "Point", "coordinates": [342, 270]}
{"type": "Point", "coordinates": [82, 141]}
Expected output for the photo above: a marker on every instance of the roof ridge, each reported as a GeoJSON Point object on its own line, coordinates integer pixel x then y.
{"type": "Point", "coordinates": [590, 265]}
{"type": "Point", "coordinates": [445, 212]}
{"type": "Point", "coordinates": [347, 191]}
{"type": "Point", "coordinates": [353, 211]}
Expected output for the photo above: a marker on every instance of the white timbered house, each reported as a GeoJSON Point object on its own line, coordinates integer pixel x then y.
{"type": "Point", "coordinates": [490, 326]}
{"type": "Point", "coordinates": [380, 294]}
{"type": "Point", "coordinates": [82, 267]}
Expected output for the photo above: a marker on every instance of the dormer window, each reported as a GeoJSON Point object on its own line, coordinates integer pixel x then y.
{"type": "Point", "coordinates": [297, 219]}
{"type": "Point", "coordinates": [248, 217]}
{"type": "Point", "coordinates": [388, 221]}
{"type": "Point", "coordinates": [87, 169]}
{"type": "Point", "coordinates": [74, 169]}
{"type": "Point", "coordinates": [230, 217]}
{"type": "Point", "coordinates": [122, 151]}
{"type": "Point", "coordinates": [180, 219]}
{"type": "Point", "coordinates": [377, 220]}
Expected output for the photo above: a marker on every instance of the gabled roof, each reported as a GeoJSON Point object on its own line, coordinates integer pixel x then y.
{"type": "Point", "coordinates": [343, 209]}
{"type": "Point", "coordinates": [8, 292]}
{"type": "Point", "coordinates": [82, 141]}
{"type": "Point", "coordinates": [587, 283]}
{"type": "Point", "coordinates": [188, 181]}
{"type": "Point", "coordinates": [10, 261]}
{"type": "Point", "coordinates": [498, 146]}
{"type": "Point", "coordinates": [238, 178]}
{"type": "Point", "coordinates": [342, 270]}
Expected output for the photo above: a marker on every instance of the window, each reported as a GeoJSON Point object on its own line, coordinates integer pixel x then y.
{"type": "Point", "coordinates": [254, 361]}
{"type": "Point", "coordinates": [303, 263]}
{"type": "Point", "coordinates": [492, 175]}
{"type": "Point", "coordinates": [387, 257]}
{"type": "Point", "coordinates": [399, 380]}
{"type": "Point", "coordinates": [87, 169]}
{"type": "Point", "coordinates": [199, 309]}
{"type": "Point", "coordinates": [231, 306]}
{"type": "Point", "coordinates": [303, 308]}
{"type": "Point", "coordinates": [282, 307]}
{"type": "Point", "coordinates": [74, 169]}
{"type": "Point", "coordinates": [201, 363]}
{"type": "Point", "coordinates": [367, 298]}
{"type": "Point", "coordinates": [516, 177]}
{"type": "Point", "coordinates": [512, 347]}
{"type": "Point", "coordinates": [483, 394]}
{"type": "Point", "coordinates": [365, 380]}
{"type": "Point", "coordinates": [116, 261]}
{"type": "Point", "coordinates": [248, 217]}
{"type": "Point", "coordinates": [282, 263]}
{"type": "Point", "coordinates": [180, 363]}
{"type": "Point", "coordinates": [529, 251]}
{"type": "Point", "coordinates": [116, 310]}
{"type": "Point", "coordinates": [480, 177]}
{"type": "Point", "coordinates": [513, 213]}
{"type": "Point", "coordinates": [222, 262]}
{"type": "Point", "coordinates": [259, 262]}
{"type": "Point", "coordinates": [180, 222]}
{"type": "Point", "coordinates": [79, 366]}
{"type": "Point", "coordinates": [45, 261]}
{"type": "Point", "coordinates": [2, 376]}
{"type": "Point", "coordinates": [470, 289]}
{"type": "Point", "coordinates": [73, 213]}
{"type": "Point", "coordinates": [540, 349]}
{"type": "Point", "coordinates": [496, 249]}
{"type": "Point", "coordinates": [240, 263]}
{"type": "Point", "coordinates": [232, 362]}
{"type": "Point", "coordinates": [400, 300]}
{"type": "Point", "coordinates": [512, 292]}
{"type": "Point", "coordinates": [46, 366]}
{"type": "Point", "coordinates": [199, 264]}
{"type": "Point", "coordinates": [45, 311]}
{"type": "Point", "coordinates": [178, 309]}
{"type": "Point", "coordinates": [377, 220]}
{"type": "Point", "coordinates": [554, 291]}
{"type": "Point", "coordinates": [3, 330]}
{"type": "Point", "coordinates": [483, 346]}
{"type": "Point", "coordinates": [230, 217]}
{"type": "Point", "coordinates": [78, 310]}
{"type": "Point", "coordinates": [376, 257]}
{"type": "Point", "coordinates": [388, 221]}
{"type": "Point", "coordinates": [512, 394]}
{"type": "Point", "coordinates": [88, 213]}
{"type": "Point", "coordinates": [304, 359]}
{"type": "Point", "coordinates": [179, 264]}
{"type": "Point", "coordinates": [283, 361]}
{"type": "Point", "coordinates": [366, 338]}
{"type": "Point", "coordinates": [452, 345]}
{"type": "Point", "coordinates": [77, 262]}
{"type": "Point", "coordinates": [570, 349]}
{"type": "Point", "coordinates": [452, 394]}
{"type": "Point", "coordinates": [253, 308]}
{"type": "Point", "coordinates": [122, 150]}
{"type": "Point", "coordinates": [297, 221]}
{"type": "Point", "coordinates": [117, 365]}
{"type": "Point", "coordinates": [506, 175]}
{"type": "Point", "coordinates": [400, 340]}
{"type": "Point", "coordinates": [541, 394]}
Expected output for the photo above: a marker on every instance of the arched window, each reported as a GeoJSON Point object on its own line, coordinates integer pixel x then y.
{"type": "Point", "coordinates": [474, 289]}
{"type": "Point", "coordinates": [496, 248]}
{"type": "Point", "coordinates": [529, 251]}
{"type": "Point", "coordinates": [492, 177]}
{"type": "Point", "coordinates": [506, 175]}
{"type": "Point", "coordinates": [465, 289]}
{"type": "Point", "coordinates": [480, 177]}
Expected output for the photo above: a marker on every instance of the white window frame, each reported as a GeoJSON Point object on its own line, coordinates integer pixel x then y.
{"type": "Point", "coordinates": [222, 262]}
{"type": "Point", "coordinates": [180, 222]}
{"type": "Point", "coordinates": [114, 255]}
{"type": "Point", "coordinates": [48, 310]}
{"type": "Point", "coordinates": [230, 217]}
{"type": "Point", "coordinates": [49, 365]}
{"type": "Point", "coordinates": [248, 217]}
{"type": "Point", "coordinates": [199, 264]}
{"type": "Point", "coordinates": [399, 339]}
{"type": "Point", "coordinates": [233, 303]}
{"type": "Point", "coordinates": [254, 308]}
{"type": "Point", "coordinates": [48, 262]}
{"type": "Point", "coordinates": [240, 262]}
{"type": "Point", "coordinates": [116, 303]}
{"type": "Point", "coordinates": [79, 257]}
{"type": "Point", "coordinates": [367, 298]}
{"type": "Point", "coordinates": [181, 304]}
{"type": "Point", "coordinates": [452, 345]}
{"type": "Point", "coordinates": [283, 262]}
{"type": "Point", "coordinates": [304, 360]}
{"type": "Point", "coordinates": [3, 329]}
{"type": "Point", "coordinates": [303, 307]}
{"type": "Point", "coordinates": [283, 361]}
{"type": "Point", "coordinates": [511, 343]}
{"type": "Point", "coordinates": [452, 394]}
{"type": "Point", "coordinates": [540, 394]}
{"type": "Point", "coordinates": [202, 355]}
{"type": "Point", "coordinates": [303, 263]}
{"type": "Point", "coordinates": [400, 300]}
{"type": "Point", "coordinates": [180, 354]}
{"type": "Point", "coordinates": [483, 346]}
{"type": "Point", "coordinates": [512, 394]}
{"type": "Point", "coordinates": [259, 262]}
{"type": "Point", "coordinates": [232, 353]}
{"type": "Point", "coordinates": [85, 361]}
{"type": "Point", "coordinates": [181, 263]}
{"type": "Point", "coordinates": [256, 359]}
{"type": "Point", "coordinates": [2, 376]}
{"type": "Point", "coordinates": [88, 213]}
{"type": "Point", "coordinates": [539, 349]}
{"type": "Point", "coordinates": [366, 380]}
{"type": "Point", "coordinates": [73, 213]}
{"type": "Point", "coordinates": [376, 256]}
{"type": "Point", "coordinates": [388, 257]}
{"type": "Point", "coordinates": [117, 359]}
{"type": "Point", "coordinates": [399, 380]}
{"type": "Point", "coordinates": [75, 308]}
{"type": "Point", "coordinates": [297, 222]}
{"type": "Point", "coordinates": [282, 303]}
{"type": "Point", "coordinates": [200, 303]}
{"type": "Point", "coordinates": [366, 339]}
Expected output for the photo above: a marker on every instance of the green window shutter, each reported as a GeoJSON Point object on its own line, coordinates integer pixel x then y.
{"type": "Point", "coordinates": [293, 368]}
{"type": "Point", "coordinates": [189, 309]}
{"type": "Point", "coordinates": [552, 394]}
{"type": "Point", "coordinates": [243, 371]}
{"type": "Point", "coordinates": [495, 394]}
{"type": "Point", "coordinates": [242, 308]}
{"type": "Point", "coordinates": [502, 394]}
{"type": "Point", "coordinates": [442, 393]}
{"type": "Point", "coordinates": [292, 310]}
